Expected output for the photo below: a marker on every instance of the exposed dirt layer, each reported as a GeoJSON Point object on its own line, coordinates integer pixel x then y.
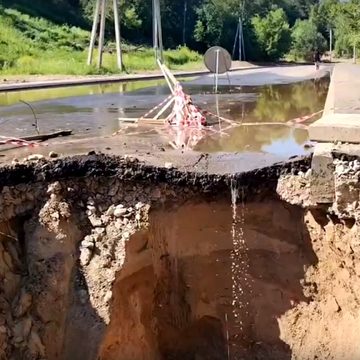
{"type": "Point", "coordinates": [109, 258]}
{"type": "Point", "coordinates": [130, 169]}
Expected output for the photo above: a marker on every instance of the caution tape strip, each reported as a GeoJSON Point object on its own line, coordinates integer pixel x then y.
{"type": "Point", "coordinates": [302, 119]}
{"type": "Point", "coordinates": [16, 141]}
{"type": "Point", "coordinates": [156, 107]}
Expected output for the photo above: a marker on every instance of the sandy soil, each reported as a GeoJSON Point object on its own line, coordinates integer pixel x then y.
{"type": "Point", "coordinates": [89, 272]}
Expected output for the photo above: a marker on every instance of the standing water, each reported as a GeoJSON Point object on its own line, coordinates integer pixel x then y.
{"type": "Point", "coordinates": [93, 111]}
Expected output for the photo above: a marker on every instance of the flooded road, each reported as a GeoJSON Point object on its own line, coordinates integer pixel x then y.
{"type": "Point", "coordinates": [92, 111]}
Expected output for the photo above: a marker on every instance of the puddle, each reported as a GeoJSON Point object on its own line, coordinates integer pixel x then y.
{"type": "Point", "coordinates": [14, 97]}
{"type": "Point", "coordinates": [94, 111]}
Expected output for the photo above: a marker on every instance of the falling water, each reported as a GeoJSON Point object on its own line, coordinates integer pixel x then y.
{"type": "Point", "coordinates": [239, 265]}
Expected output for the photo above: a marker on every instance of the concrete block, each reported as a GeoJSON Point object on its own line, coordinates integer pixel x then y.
{"type": "Point", "coordinates": [322, 189]}
{"type": "Point", "coordinates": [336, 127]}
{"type": "Point", "coordinates": [341, 117]}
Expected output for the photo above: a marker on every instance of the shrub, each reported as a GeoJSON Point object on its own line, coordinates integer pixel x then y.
{"type": "Point", "coordinates": [306, 39]}
{"type": "Point", "coordinates": [272, 34]}
{"type": "Point", "coordinates": [181, 56]}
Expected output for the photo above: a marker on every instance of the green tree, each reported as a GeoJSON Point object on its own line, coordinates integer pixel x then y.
{"type": "Point", "coordinates": [323, 16]}
{"type": "Point", "coordinates": [272, 34]}
{"type": "Point", "coordinates": [347, 24]}
{"type": "Point", "coordinates": [306, 39]}
{"type": "Point", "coordinates": [215, 20]}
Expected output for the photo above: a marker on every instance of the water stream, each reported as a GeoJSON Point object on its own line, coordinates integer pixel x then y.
{"type": "Point", "coordinates": [241, 285]}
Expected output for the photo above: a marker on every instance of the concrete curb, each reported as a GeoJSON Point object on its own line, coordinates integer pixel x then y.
{"type": "Point", "coordinates": [103, 80]}
{"type": "Point", "coordinates": [341, 117]}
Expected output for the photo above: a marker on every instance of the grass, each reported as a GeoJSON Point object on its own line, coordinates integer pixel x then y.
{"type": "Point", "coordinates": [35, 46]}
{"type": "Point", "coordinates": [64, 62]}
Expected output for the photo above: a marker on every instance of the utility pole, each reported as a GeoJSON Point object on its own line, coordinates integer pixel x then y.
{"type": "Point", "coordinates": [102, 33]}
{"type": "Point", "coordinates": [100, 14]}
{"type": "Point", "coordinates": [118, 35]}
{"type": "Point", "coordinates": [157, 31]}
{"type": "Point", "coordinates": [242, 17]}
{"type": "Point", "coordinates": [239, 37]}
{"type": "Point", "coordinates": [93, 32]}
{"type": "Point", "coordinates": [241, 41]}
{"type": "Point", "coordinates": [184, 23]}
{"type": "Point", "coordinates": [236, 39]}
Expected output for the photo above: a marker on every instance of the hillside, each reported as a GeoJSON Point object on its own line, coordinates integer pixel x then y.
{"type": "Point", "coordinates": [29, 45]}
{"type": "Point", "coordinates": [56, 11]}
{"type": "Point", "coordinates": [51, 37]}
{"type": "Point", "coordinates": [34, 45]}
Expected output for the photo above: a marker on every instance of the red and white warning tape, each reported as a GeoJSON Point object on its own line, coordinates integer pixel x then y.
{"type": "Point", "coordinates": [302, 119]}
{"type": "Point", "coordinates": [5, 140]}
{"type": "Point", "coordinates": [156, 107]}
{"type": "Point", "coordinates": [185, 113]}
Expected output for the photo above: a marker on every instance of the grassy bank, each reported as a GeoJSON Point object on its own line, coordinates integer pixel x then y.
{"type": "Point", "coordinates": [35, 46]}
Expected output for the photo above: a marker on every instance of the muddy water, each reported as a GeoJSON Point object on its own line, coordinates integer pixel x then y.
{"type": "Point", "coordinates": [92, 111]}
{"type": "Point", "coordinates": [269, 107]}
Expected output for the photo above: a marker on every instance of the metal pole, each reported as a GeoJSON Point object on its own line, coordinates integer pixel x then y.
{"type": "Point", "coordinates": [153, 23]}
{"type": "Point", "coordinates": [184, 23]}
{"type": "Point", "coordinates": [331, 45]}
{"type": "Point", "coordinates": [118, 35]}
{"type": "Point", "coordinates": [155, 30]}
{"type": "Point", "coordinates": [240, 40]}
{"type": "Point", "coordinates": [102, 32]}
{"type": "Point", "coordinates": [93, 32]}
{"type": "Point", "coordinates": [235, 42]}
{"type": "Point", "coordinates": [243, 55]}
{"type": "Point", "coordinates": [242, 16]}
{"type": "Point", "coordinates": [243, 43]}
{"type": "Point", "coordinates": [161, 47]}
{"type": "Point", "coordinates": [217, 71]}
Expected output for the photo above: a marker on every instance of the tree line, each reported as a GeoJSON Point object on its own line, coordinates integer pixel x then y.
{"type": "Point", "coordinates": [272, 28]}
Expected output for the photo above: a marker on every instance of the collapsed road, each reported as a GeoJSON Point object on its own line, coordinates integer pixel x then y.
{"type": "Point", "coordinates": [110, 258]}
{"type": "Point", "coordinates": [170, 255]}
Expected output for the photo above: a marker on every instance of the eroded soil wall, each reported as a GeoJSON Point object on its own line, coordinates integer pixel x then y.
{"type": "Point", "coordinates": [102, 267]}
{"type": "Point", "coordinates": [179, 291]}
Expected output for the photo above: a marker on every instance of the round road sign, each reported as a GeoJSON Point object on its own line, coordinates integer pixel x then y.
{"type": "Point", "coordinates": [217, 60]}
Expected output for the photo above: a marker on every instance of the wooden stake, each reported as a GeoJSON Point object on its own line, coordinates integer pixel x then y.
{"type": "Point", "coordinates": [118, 35]}
{"type": "Point", "coordinates": [164, 108]}
{"type": "Point", "coordinates": [102, 32]}
{"type": "Point", "coordinates": [93, 32]}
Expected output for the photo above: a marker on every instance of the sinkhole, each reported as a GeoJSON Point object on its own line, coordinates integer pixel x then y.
{"type": "Point", "coordinates": [106, 258]}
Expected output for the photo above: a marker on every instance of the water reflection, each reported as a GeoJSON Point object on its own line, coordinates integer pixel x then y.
{"type": "Point", "coordinates": [273, 106]}
{"type": "Point", "coordinates": [10, 98]}
{"type": "Point", "coordinates": [92, 111]}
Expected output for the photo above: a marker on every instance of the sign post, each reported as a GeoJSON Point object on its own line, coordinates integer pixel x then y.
{"type": "Point", "coordinates": [218, 61]}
